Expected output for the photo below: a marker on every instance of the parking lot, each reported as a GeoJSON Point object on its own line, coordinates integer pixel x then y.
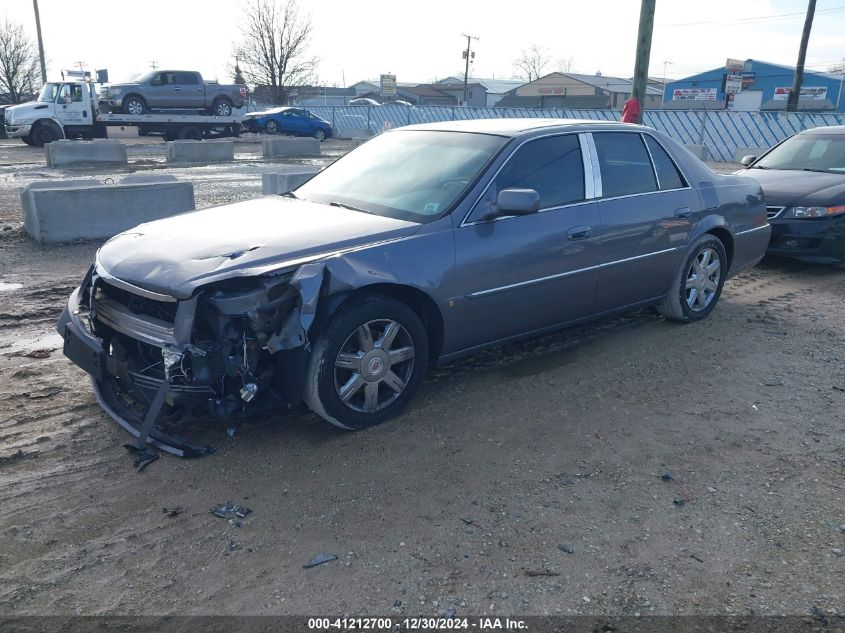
{"type": "Point", "coordinates": [629, 466]}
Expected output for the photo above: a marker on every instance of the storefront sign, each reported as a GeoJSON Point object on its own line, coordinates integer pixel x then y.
{"type": "Point", "coordinates": [694, 94]}
{"type": "Point", "coordinates": [810, 93]}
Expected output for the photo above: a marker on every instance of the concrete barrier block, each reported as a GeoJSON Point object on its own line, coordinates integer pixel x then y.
{"type": "Point", "coordinates": [290, 146]}
{"type": "Point", "coordinates": [26, 199]}
{"type": "Point", "coordinates": [200, 151]}
{"type": "Point", "coordinates": [96, 211]}
{"type": "Point", "coordinates": [67, 152]}
{"type": "Point", "coordinates": [287, 180]}
{"type": "Point", "coordinates": [742, 152]}
{"type": "Point", "coordinates": [699, 151]}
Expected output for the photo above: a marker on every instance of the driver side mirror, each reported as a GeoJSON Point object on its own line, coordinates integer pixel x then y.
{"type": "Point", "coordinates": [68, 100]}
{"type": "Point", "coordinates": [747, 160]}
{"type": "Point", "coordinates": [517, 202]}
{"type": "Point", "coordinates": [513, 202]}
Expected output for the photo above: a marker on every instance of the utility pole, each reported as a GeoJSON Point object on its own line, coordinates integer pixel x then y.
{"type": "Point", "coordinates": [643, 53]}
{"type": "Point", "coordinates": [40, 42]}
{"type": "Point", "coordinates": [468, 56]}
{"type": "Point", "coordinates": [795, 94]}
{"type": "Point", "coordinates": [153, 65]}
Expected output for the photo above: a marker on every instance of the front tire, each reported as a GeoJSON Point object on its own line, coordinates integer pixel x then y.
{"type": "Point", "coordinates": [28, 140]}
{"type": "Point", "coordinates": [699, 282]}
{"type": "Point", "coordinates": [367, 363]}
{"type": "Point", "coordinates": [134, 105]}
{"type": "Point", "coordinates": [45, 133]}
{"type": "Point", "coordinates": [271, 127]}
{"type": "Point", "coordinates": [320, 134]}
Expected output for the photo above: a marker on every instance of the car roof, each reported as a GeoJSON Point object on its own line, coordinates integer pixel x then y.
{"type": "Point", "coordinates": [830, 129]}
{"type": "Point", "coordinates": [513, 127]}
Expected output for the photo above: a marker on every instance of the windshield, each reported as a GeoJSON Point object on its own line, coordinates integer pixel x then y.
{"type": "Point", "coordinates": [408, 175]}
{"type": "Point", "coordinates": [49, 92]}
{"type": "Point", "coordinates": [143, 79]}
{"type": "Point", "coordinates": [813, 152]}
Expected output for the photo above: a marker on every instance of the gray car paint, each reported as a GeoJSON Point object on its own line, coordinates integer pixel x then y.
{"type": "Point", "coordinates": [490, 281]}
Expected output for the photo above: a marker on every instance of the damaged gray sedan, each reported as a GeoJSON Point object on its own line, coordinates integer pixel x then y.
{"type": "Point", "coordinates": [424, 244]}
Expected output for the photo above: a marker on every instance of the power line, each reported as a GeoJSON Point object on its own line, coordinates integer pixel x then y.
{"type": "Point", "coordinates": [761, 18]}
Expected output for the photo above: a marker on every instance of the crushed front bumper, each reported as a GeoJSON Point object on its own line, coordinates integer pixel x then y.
{"type": "Point", "coordinates": [87, 351]}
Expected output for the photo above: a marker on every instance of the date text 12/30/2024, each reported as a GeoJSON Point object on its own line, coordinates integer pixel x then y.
{"type": "Point", "coordinates": [416, 624]}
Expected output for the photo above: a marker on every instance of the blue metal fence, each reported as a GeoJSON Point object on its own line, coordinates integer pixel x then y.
{"type": "Point", "coordinates": [720, 132]}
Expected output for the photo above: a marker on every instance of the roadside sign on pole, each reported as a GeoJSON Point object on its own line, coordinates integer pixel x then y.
{"type": "Point", "coordinates": [388, 85]}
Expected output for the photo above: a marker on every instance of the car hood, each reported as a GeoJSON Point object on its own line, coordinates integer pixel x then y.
{"type": "Point", "coordinates": [788, 187]}
{"type": "Point", "coordinates": [177, 255]}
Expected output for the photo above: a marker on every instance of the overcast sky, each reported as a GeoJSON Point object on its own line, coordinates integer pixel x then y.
{"type": "Point", "coordinates": [421, 40]}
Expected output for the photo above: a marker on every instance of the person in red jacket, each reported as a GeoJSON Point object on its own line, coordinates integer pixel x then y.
{"type": "Point", "coordinates": [631, 111]}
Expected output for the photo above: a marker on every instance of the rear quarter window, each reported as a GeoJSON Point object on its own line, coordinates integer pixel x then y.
{"type": "Point", "coordinates": [668, 175]}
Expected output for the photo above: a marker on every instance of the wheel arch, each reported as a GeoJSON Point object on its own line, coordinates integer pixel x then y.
{"type": "Point", "coordinates": [419, 301]}
{"type": "Point", "coordinates": [716, 225]}
{"type": "Point", "coordinates": [727, 239]}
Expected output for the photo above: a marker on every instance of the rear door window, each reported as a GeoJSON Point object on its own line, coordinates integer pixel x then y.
{"type": "Point", "coordinates": [187, 78]}
{"type": "Point", "coordinates": [625, 165]}
{"type": "Point", "coordinates": [668, 176]}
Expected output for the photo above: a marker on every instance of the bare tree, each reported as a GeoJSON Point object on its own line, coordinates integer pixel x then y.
{"type": "Point", "coordinates": [531, 64]}
{"type": "Point", "coordinates": [18, 63]}
{"type": "Point", "coordinates": [273, 54]}
{"type": "Point", "coordinates": [837, 68]}
{"type": "Point", "coordinates": [564, 64]}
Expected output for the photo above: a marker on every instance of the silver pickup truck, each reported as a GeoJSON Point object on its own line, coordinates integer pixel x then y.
{"type": "Point", "coordinates": [172, 89]}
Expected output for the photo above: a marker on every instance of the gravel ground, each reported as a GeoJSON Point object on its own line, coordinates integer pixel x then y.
{"type": "Point", "coordinates": [626, 466]}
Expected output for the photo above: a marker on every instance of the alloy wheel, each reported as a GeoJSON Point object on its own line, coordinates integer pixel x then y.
{"type": "Point", "coordinates": [703, 277]}
{"type": "Point", "coordinates": [223, 109]}
{"type": "Point", "coordinates": [135, 107]}
{"type": "Point", "coordinates": [374, 365]}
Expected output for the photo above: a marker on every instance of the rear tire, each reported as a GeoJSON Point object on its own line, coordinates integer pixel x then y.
{"type": "Point", "coordinates": [698, 283]}
{"type": "Point", "coordinates": [221, 107]}
{"type": "Point", "coordinates": [28, 140]}
{"type": "Point", "coordinates": [320, 134]}
{"type": "Point", "coordinates": [190, 133]}
{"type": "Point", "coordinates": [357, 380]}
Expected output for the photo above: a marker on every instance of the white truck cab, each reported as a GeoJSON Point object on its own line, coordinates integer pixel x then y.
{"type": "Point", "coordinates": [64, 109]}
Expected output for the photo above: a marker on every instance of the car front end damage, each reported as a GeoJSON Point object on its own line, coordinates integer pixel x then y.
{"type": "Point", "coordinates": [233, 348]}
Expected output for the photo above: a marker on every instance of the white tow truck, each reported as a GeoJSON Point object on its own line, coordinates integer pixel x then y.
{"type": "Point", "coordinates": [69, 109]}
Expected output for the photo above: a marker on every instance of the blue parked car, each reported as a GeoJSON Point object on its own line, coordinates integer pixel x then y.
{"type": "Point", "coordinates": [293, 121]}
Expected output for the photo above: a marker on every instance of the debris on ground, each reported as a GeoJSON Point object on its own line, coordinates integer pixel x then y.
{"type": "Point", "coordinates": [319, 559]}
{"type": "Point", "coordinates": [566, 549]}
{"type": "Point", "coordinates": [230, 510]}
{"type": "Point", "coordinates": [172, 512]}
{"type": "Point", "coordinates": [143, 458]}
{"type": "Point", "coordinates": [666, 477]}
{"type": "Point", "coordinates": [679, 501]}
{"type": "Point", "coordinates": [694, 557]}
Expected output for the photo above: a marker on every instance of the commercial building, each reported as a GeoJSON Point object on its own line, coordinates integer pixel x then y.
{"type": "Point", "coordinates": [753, 85]}
{"type": "Point", "coordinates": [574, 90]}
